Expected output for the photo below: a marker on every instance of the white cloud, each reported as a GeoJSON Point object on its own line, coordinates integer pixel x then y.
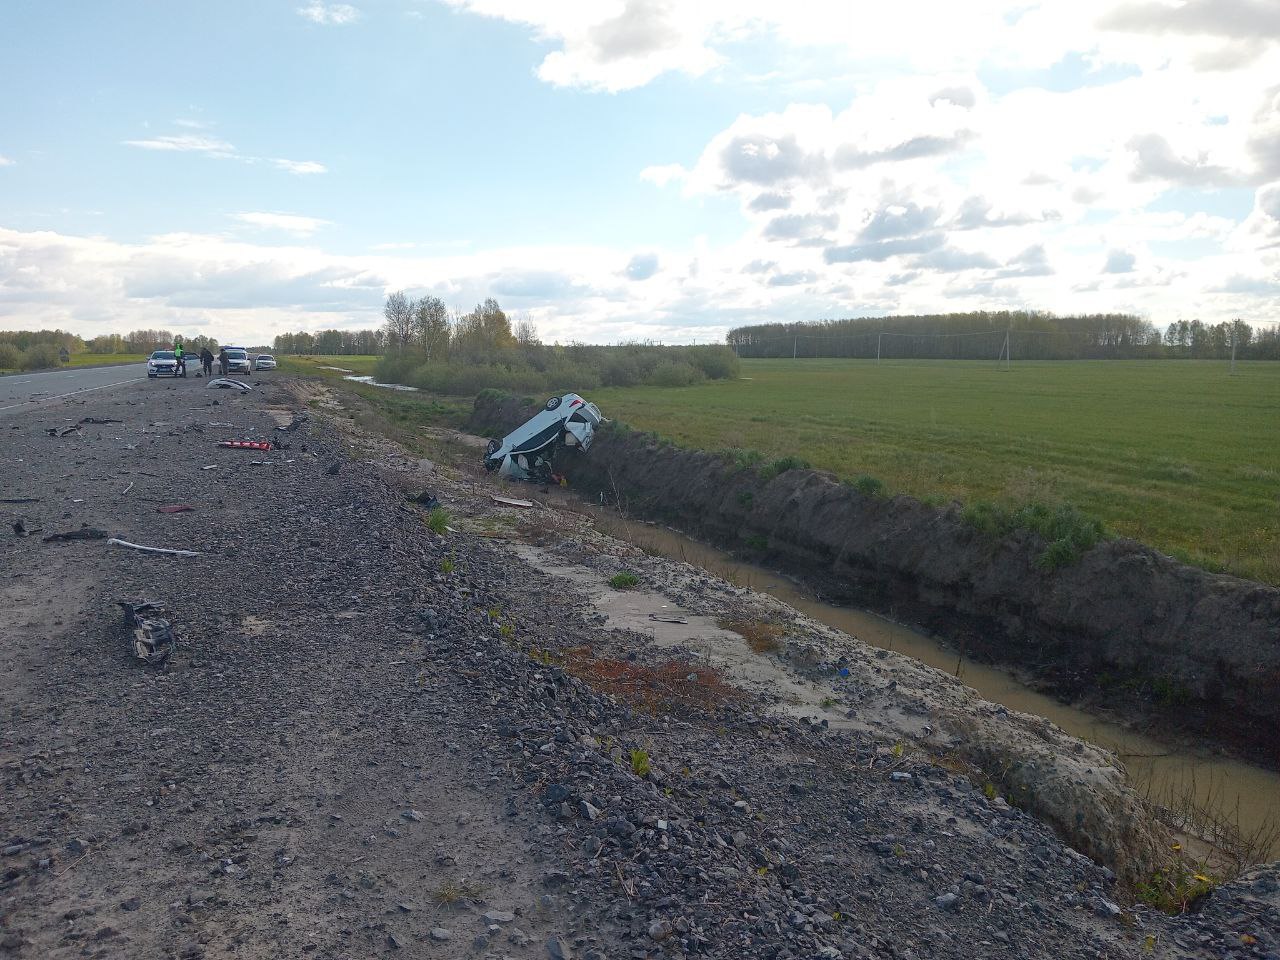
{"type": "Point", "coordinates": [300, 167]}
{"type": "Point", "coordinates": [213, 147]}
{"type": "Point", "coordinates": [6, 162]}
{"type": "Point", "coordinates": [329, 14]}
{"type": "Point", "coordinates": [286, 222]}
{"type": "Point", "coordinates": [186, 143]}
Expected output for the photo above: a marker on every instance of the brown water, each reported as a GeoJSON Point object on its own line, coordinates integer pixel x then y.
{"type": "Point", "coordinates": [1246, 796]}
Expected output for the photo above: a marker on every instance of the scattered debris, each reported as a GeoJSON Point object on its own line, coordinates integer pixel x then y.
{"type": "Point", "coordinates": [294, 424]}
{"type": "Point", "coordinates": [137, 546]}
{"type": "Point", "coordinates": [425, 500]}
{"type": "Point", "coordinates": [210, 466]}
{"type": "Point", "coordinates": [526, 453]}
{"type": "Point", "coordinates": [226, 383]}
{"type": "Point", "coordinates": [62, 431]}
{"type": "Point", "coordinates": [246, 444]}
{"type": "Point", "coordinates": [84, 533]}
{"type": "Point", "coordinates": [176, 508]}
{"type": "Point", "coordinates": [20, 500]}
{"type": "Point", "coordinates": [128, 488]}
{"type": "Point", "coordinates": [511, 501]}
{"type": "Point", "coordinates": [19, 528]}
{"type": "Point", "coordinates": [153, 639]}
{"type": "Point", "coordinates": [99, 420]}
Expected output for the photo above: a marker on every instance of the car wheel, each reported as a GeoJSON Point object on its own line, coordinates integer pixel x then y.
{"type": "Point", "coordinates": [151, 376]}
{"type": "Point", "coordinates": [553, 403]}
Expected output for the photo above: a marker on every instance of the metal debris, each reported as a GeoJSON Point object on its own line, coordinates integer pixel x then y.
{"type": "Point", "coordinates": [153, 639]}
{"type": "Point", "coordinates": [84, 533]}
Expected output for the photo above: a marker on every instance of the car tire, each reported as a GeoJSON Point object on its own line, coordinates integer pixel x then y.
{"type": "Point", "coordinates": [553, 403]}
{"type": "Point", "coordinates": [152, 376]}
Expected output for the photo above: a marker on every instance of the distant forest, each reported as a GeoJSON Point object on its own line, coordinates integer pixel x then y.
{"type": "Point", "coordinates": [1031, 335]}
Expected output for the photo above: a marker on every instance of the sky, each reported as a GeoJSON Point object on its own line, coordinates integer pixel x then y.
{"type": "Point", "coordinates": [634, 169]}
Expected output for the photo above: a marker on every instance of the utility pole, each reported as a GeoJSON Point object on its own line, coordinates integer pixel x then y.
{"type": "Point", "coordinates": [879, 337]}
{"type": "Point", "coordinates": [1235, 335]}
{"type": "Point", "coordinates": [795, 345]}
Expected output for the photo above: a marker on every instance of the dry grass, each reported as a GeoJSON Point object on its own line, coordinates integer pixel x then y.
{"type": "Point", "coordinates": [662, 688]}
{"type": "Point", "coordinates": [452, 891]}
{"type": "Point", "coordinates": [763, 636]}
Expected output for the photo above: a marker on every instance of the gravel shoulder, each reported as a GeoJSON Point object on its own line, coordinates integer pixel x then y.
{"type": "Point", "coordinates": [376, 740]}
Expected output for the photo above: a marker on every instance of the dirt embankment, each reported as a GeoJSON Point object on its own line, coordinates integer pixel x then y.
{"type": "Point", "coordinates": [1124, 623]}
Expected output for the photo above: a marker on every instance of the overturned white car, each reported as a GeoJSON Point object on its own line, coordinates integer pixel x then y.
{"type": "Point", "coordinates": [526, 453]}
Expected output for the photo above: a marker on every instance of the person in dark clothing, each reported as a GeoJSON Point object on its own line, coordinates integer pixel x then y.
{"type": "Point", "coordinates": [206, 361]}
{"type": "Point", "coordinates": [222, 361]}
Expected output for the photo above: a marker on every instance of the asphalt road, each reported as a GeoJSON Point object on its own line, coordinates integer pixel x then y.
{"type": "Point", "coordinates": [23, 391]}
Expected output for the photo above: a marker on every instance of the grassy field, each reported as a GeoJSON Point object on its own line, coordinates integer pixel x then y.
{"type": "Point", "coordinates": [1175, 454]}
{"type": "Point", "coordinates": [102, 359]}
{"type": "Point", "coordinates": [314, 366]}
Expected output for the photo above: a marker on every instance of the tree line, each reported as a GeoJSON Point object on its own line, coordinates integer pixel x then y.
{"type": "Point", "coordinates": [1029, 335]}
{"type": "Point", "coordinates": [432, 347]}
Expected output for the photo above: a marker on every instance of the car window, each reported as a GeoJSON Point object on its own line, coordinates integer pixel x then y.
{"type": "Point", "coordinates": [162, 355]}
{"type": "Point", "coordinates": [237, 355]}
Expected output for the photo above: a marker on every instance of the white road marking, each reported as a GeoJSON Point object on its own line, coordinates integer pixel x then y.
{"type": "Point", "coordinates": [101, 386]}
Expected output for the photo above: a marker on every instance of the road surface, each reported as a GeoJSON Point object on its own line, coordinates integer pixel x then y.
{"type": "Point", "coordinates": [25, 390]}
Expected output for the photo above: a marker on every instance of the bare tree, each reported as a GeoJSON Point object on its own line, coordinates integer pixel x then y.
{"type": "Point", "coordinates": [431, 328]}
{"type": "Point", "coordinates": [399, 314]}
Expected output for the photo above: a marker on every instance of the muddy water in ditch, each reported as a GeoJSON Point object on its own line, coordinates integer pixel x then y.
{"type": "Point", "coordinates": [1249, 796]}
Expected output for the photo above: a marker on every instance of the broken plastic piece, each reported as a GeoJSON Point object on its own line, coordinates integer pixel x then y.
{"type": "Point", "coordinates": [137, 546]}
{"type": "Point", "coordinates": [153, 639]}
{"type": "Point", "coordinates": [226, 383]}
{"type": "Point", "coordinates": [511, 501]}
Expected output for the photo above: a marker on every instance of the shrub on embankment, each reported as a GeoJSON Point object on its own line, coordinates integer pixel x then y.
{"type": "Point", "coordinates": [539, 368]}
{"type": "Point", "coordinates": [1040, 588]}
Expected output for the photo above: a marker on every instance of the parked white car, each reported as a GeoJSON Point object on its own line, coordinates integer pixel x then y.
{"type": "Point", "coordinates": [264, 362]}
{"type": "Point", "coordinates": [162, 363]}
{"type": "Point", "coordinates": [238, 360]}
{"type": "Point", "coordinates": [527, 452]}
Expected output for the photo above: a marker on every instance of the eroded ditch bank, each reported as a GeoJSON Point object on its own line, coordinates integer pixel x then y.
{"type": "Point", "coordinates": [1157, 642]}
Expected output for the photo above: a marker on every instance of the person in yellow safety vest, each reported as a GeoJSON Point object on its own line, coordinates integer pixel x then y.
{"type": "Point", "coordinates": [181, 368]}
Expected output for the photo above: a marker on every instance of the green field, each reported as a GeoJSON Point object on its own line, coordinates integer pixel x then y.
{"type": "Point", "coordinates": [313, 365]}
{"type": "Point", "coordinates": [1177, 454]}
{"type": "Point", "coordinates": [103, 359]}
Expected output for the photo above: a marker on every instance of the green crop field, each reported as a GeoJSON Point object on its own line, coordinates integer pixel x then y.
{"type": "Point", "coordinates": [103, 359]}
{"type": "Point", "coordinates": [1177, 454]}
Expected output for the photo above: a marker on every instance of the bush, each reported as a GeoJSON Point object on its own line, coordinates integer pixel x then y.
{"type": "Point", "coordinates": [624, 580]}
{"type": "Point", "coordinates": [41, 356]}
{"type": "Point", "coordinates": [675, 373]}
{"type": "Point", "coordinates": [10, 357]}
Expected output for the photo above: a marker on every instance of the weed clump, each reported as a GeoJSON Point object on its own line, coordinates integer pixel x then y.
{"type": "Point", "coordinates": [870, 486]}
{"type": "Point", "coordinates": [661, 688]}
{"type": "Point", "coordinates": [640, 763]}
{"type": "Point", "coordinates": [782, 465]}
{"type": "Point", "coordinates": [438, 520]}
{"type": "Point", "coordinates": [624, 580]}
{"type": "Point", "coordinates": [763, 637]}
{"type": "Point", "coordinates": [1068, 531]}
